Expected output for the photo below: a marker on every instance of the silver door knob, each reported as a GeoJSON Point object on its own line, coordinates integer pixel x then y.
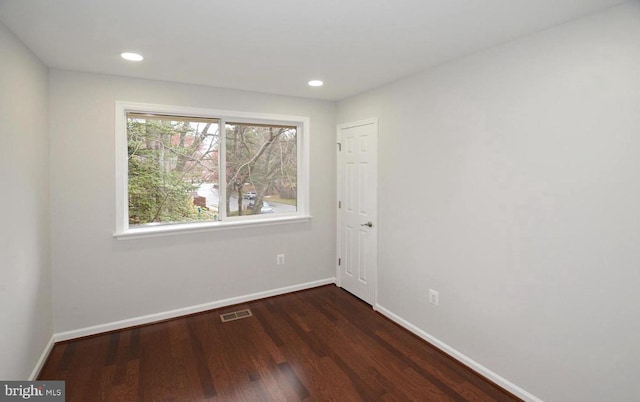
{"type": "Point", "coordinates": [369, 224]}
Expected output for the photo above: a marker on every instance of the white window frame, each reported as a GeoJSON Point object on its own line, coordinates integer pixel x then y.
{"type": "Point", "coordinates": [122, 229]}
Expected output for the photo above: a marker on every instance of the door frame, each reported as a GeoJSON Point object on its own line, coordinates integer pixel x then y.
{"type": "Point", "coordinates": [374, 271]}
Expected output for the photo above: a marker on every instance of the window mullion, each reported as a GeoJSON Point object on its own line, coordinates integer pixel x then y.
{"type": "Point", "coordinates": [222, 171]}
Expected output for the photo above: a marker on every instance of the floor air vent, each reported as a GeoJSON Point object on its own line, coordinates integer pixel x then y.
{"type": "Point", "coordinates": [236, 315]}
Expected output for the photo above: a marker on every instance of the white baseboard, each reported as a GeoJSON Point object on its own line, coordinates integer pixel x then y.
{"type": "Point", "coordinates": [43, 358]}
{"type": "Point", "coordinates": [148, 319]}
{"type": "Point", "coordinates": [467, 361]}
{"type": "Point", "coordinates": [151, 318]}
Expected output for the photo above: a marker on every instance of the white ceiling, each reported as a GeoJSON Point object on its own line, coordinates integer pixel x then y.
{"type": "Point", "coordinates": [276, 46]}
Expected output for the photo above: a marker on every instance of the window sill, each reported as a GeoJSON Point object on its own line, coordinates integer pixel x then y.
{"type": "Point", "coordinates": [170, 230]}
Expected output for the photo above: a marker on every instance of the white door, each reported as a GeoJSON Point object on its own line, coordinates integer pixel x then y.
{"type": "Point", "coordinates": [357, 208]}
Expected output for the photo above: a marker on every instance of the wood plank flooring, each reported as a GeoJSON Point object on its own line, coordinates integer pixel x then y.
{"type": "Point", "coordinates": [321, 344]}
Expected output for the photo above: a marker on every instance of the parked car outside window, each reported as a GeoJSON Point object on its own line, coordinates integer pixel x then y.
{"type": "Point", "coordinates": [266, 208]}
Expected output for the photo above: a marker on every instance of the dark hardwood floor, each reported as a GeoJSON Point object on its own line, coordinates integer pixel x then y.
{"type": "Point", "coordinates": [321, 344]}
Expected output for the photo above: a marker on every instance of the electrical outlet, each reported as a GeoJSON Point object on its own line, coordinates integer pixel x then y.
{"type": "Point", "coordinates": [280, 259]}
{"type": "Point", "coordinates": [434, 297]}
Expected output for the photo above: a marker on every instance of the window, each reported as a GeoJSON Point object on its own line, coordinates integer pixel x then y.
{"type": "Point", "coordinates": [186, 169]}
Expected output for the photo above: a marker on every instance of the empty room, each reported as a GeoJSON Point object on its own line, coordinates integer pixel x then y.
{"type": "Point", "coordinates": [318, 200]}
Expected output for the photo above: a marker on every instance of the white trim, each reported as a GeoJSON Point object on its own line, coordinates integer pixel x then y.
{"type": "Point", "coordinates": [370, 121]}
{"type": "Point", "coordinates": [151, 318]}
{"type": "Point", "coordinates": [182, 228]}
{"type": "Point", "coordinates": [338, 210]}
{"type": "Point", "coordinates": [43, 359]}
{"type": "Point", "coordinates": [122, 229]}
{"type": "Point", "coordinates": [462, 358]}
{"type": "Point", "coordinates": [121, 169]}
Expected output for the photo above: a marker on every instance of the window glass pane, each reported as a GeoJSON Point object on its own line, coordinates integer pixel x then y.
{"type": "Point", "coordinates": [261, 169]}
{"type": "Point", "coordinates": [173, 169]}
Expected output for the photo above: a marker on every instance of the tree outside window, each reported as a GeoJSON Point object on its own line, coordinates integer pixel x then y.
{"type": "Point", "coordinates": [261, 165]}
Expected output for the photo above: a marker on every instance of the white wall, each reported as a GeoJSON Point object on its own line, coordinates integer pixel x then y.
{"type": "Point", "coordinates": [522, 168]}
{"type": "Point", "coordinates": [25, 269]}
{"type": "Point", "coordinates": [98, 279]}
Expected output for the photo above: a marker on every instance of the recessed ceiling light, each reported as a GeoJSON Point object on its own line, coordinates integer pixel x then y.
{"type": "Point", "coordinates": [315, 83]}
{"type": "Point", "coordinates": [131, 56]}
